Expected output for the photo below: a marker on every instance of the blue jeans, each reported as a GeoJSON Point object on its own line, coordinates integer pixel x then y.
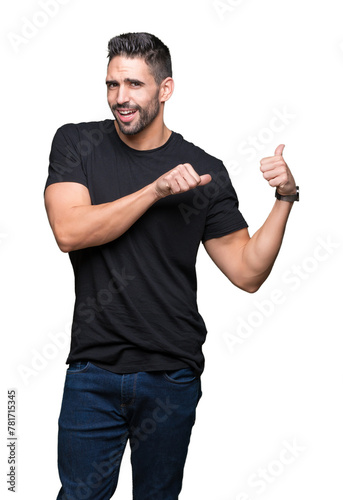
{"type": "Point", "coordinates": [102, 410]}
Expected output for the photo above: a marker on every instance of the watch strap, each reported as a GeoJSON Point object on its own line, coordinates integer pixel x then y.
{"type": "Point", "coordinates": [289, 197]}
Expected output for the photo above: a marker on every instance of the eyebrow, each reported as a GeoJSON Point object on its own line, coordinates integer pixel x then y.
{"type": "Point", "coordinates": [127, 80]}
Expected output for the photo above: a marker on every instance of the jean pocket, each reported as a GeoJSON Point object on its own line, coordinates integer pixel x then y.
{"type": "Point", "coordinates": [78, 366]}
{"type": "Point", "coordinates": [181, 376]}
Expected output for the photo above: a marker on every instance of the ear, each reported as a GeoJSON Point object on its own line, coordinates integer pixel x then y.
{"type": "Point", "coordinates": [166, 89]}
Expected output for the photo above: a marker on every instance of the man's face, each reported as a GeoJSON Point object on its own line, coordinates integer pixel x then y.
{"type": "Point", "coordinates": [132, 94]}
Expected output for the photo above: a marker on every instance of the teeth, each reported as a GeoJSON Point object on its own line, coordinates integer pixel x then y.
{"type": "Point", "coordinates": [126, 112]}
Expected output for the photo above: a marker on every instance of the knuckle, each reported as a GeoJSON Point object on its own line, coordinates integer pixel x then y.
{"type": "Point", "coordinates": [174, 186]}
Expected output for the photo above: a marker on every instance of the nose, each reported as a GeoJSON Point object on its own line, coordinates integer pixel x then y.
{"type": "Point", "coordinates": [123, 95]}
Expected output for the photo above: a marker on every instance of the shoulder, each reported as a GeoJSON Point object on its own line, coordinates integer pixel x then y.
{"type": "Point", "coordinates": [86, 130]}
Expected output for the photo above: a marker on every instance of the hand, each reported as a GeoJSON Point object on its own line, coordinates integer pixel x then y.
{"type": "Point", "coordinates": [276, 172]}
{"type": "Point", "coordinates": [179, 180]}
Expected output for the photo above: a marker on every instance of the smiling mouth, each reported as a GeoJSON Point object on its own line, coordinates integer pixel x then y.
{"type": "Point", "coordinates": [126, 115]}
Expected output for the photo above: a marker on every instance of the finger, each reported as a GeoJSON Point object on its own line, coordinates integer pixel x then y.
{"type": "Point", "coordinates": [267, 164]}
{"type": "Point", "coordinates": [272, 174]}
{"type": "Point", "coordinates": [279, 150]}
{"type": "Point", "coordinates": [173, 186]}
{"type": "Point", "coordinates": [278, 181]}
{"type": "Point", "coordinates": [193, 178]}
{"type": "Point", "coordinates": [190, 175]}
{"type": "Point", "coordinates": [182, 184]}
{"type": "Point", "coordinates": [191, 172]}
{"type": "Point", "coordinates": [268, 158]}
{"type": "Point", "coordinates": [181, 180]}
{"type": "Point", "coordinates": [205, 179]}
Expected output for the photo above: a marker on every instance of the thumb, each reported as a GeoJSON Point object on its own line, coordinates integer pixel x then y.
{"type": "Point", "coordinates": [279, 149]}
{"type": "Point", "coordinates": [205, 179]}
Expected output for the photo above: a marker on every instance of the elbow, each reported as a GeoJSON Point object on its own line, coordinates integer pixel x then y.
{"type": "Point", "coordinates": [68, 242]}
{"type": "Point", "coordinates": [254, 283]}
{"type": "Point", "coordinates": [248, 287]}
{"type": "Point", "coordinates": [252, 288]}
{"type": "Point", "coordinates": [63, 240]}
{"type": "Point", "coordinates": [63, 245]}
{"type": "Point", "coordinates": [64, 248]}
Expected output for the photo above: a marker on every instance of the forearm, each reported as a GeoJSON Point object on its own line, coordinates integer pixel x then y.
{"type": "Point", "coordinates": [247, 261]}
{"type": "Point", "coordinates": [261, 250]}
{"type": "Point", "coordinates": [93, 225]}
{"type": "Point", "coordinates": [78, 224]}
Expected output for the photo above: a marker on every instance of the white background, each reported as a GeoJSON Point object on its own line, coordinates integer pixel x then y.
{"type": "Point", "coordinates": [235, 62]}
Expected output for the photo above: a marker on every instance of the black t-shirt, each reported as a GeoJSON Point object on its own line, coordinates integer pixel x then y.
{"type": "Point", "coordinates": [135, 306]}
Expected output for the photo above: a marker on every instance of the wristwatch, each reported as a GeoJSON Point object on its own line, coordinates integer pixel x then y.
{"type": "Point", "coordinates": [290, 197]}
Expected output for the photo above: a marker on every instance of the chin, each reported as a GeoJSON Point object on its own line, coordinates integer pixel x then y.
{"type": "Point", "coordinates": [126, 131]}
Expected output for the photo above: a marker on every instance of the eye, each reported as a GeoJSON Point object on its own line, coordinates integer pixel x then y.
{"type": "Point", "coordinates": [112, 85]}
{"type": "Point", "coordinates": [135, 84]}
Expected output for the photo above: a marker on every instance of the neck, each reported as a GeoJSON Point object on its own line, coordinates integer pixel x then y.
{"type": "Point", "coordinates": [151, 137]}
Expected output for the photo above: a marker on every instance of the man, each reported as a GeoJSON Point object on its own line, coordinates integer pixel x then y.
{"type": "Point", "coordinates": [130, 201]}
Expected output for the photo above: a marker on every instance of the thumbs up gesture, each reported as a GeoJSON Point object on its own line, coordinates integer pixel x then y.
{"type": "Point", "coordinates": [275, 170]}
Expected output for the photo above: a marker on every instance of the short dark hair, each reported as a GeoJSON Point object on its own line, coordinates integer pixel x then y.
{"type": "Point", "coordinates": [144, 45]}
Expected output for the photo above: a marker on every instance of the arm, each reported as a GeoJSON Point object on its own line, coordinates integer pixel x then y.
{"type": "Point", "coordinates": [246, 261]}
{"type": "Point", "coordinates": [76, 223]}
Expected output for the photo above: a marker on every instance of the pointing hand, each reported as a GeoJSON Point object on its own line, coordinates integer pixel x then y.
{"type": "Point", "coordinates": [179, 180]}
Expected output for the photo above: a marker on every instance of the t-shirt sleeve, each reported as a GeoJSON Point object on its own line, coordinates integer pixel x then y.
{"type": "Point", "coordinates": [223, 216]}
{"type": "Point", "coordinates": [65, 161]}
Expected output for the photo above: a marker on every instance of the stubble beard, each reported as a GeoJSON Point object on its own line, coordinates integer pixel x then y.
{"type": "Point", "coordinates": [146, 116]}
